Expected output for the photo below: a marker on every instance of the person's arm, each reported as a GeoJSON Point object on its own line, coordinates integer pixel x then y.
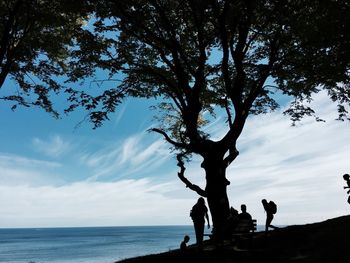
{"type": "Point", "coordinates": [207, 217]}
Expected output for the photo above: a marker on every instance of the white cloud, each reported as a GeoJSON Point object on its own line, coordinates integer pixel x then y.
{"type": "Point", "coordinates": [16, 160]}
{"type": "Point", "coordinates": [299, 167]}
{"type": "Point", "coordinates": [127, 202]}
{"type": "Point", "coordinates": [134, 156]}
{"type": "Point", "coordinates": [55, 146]}
{"type": "Point", "coordinates": [21, 170]}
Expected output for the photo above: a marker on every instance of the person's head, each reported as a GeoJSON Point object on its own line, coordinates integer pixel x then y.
{"type": "Point", "coordinates": [186, 238]}
{"type": "Point", "coordinates": [201, 201]}
{"type": "Point", "coordinates": [264, 201]}
{"type": "Point", "coordinates": [346, 176]}
{"type": "Point", "coordinates": [244, 208]}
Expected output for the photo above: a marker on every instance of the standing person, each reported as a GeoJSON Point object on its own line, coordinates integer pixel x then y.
{"type": "Point", "coordinates": [270, 209]}
{"type": "Point", "coordinates": [347, 180]}
{"type": "Point", "coordinates": [198, 214]}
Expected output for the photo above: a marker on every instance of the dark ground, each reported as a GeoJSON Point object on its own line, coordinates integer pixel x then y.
{"type": "Point", "coordinates": [324, 242]}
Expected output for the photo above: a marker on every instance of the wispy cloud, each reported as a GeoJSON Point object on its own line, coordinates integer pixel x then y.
{"type": "Point", "coordinates": [54, 146]}
{"type": "Point", "coordinates": [120, 113]}
{"type": "Point", "coordinates": [126, 202]}
{"type": "Point", "coordinates": [299, 167]}
{"type": "Point", "coordinates": [16, 160]}
{"type": "Point", "coordinates": [134, 156]}
{"type": "Point", "coordinates": [19, 170]}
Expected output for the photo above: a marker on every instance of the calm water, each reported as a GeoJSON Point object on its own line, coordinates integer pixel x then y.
{"type": "Point", "coordinates": [90, 245]}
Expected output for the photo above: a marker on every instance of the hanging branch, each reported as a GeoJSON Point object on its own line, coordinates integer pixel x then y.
{"type": "Point", "coordinates": [169, 140]}
{"type": "Point", "coordinates": [182, 177]}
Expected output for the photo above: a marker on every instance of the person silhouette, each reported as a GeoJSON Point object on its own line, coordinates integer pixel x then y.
{"type": "Point", "coordinates": [347, 180]}
{"type": "Point", "coordinates": [183, 245]}
{"type": "Point", "coordinates": [270, 209]}
{"type": "Point", "coordinates": [245, 216]}
{"type": "Point", "coordinates": [198, 214]}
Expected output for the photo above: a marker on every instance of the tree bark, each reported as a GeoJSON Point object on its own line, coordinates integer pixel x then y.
{"type": "Point", "coordinates": [216, 189]}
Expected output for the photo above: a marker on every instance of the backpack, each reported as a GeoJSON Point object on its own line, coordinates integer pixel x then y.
{"type": "Point", "coordinates": [273, 207]}
{"type": "Point", "coordinates": [197, 212]}
{"type": "Point", "coordinates": [194, 212]}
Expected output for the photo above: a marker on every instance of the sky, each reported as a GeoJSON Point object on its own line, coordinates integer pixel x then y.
{"type": "Point", "coordinates": [59, 173]}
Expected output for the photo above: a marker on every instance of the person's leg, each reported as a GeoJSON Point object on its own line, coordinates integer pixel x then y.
{"type": "Point", "coordinates": [201, 232]}
{"type": "Point", "coordinates": [268, 222]}
{"type": "Point", "coordinates": [196, 230]}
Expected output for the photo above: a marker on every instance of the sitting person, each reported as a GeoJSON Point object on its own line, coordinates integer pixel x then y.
{"type": "Point", "coordinates": [245, 217]}
{"type": "Point", "coordinates": [183, 245]}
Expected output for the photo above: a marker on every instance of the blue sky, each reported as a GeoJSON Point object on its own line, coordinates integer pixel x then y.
{"type": "Point", "coordinates": [56, 174]}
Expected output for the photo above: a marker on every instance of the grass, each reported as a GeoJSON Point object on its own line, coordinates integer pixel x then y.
{"type": "Point", "coordinates": [323, 242]}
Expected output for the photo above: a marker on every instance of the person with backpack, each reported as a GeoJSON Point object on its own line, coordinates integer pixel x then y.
{"type": "Point", "coordinates": [198, 214]}
{"type": "Point", "coordinates": [347, 180]}
{"type": "Point", "coordinates": [270, 209]}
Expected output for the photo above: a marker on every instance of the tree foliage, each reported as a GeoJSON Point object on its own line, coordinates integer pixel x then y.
{"type": "Point", "coordinates": [197, 55]}
{"type": "Point", "coordinates": [194, 56]}
{"type": "Point", "coordinates": [36, 40]}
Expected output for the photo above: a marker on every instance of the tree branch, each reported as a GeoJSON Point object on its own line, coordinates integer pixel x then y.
{"type": "Point", "coordinates": [229, 115]}
{"type": "Point", "coordinates": [233, 153]}
{"type": "Point", "coordinates": [169, 140]}
{"type": "Point", "coordinates": [182, 177]}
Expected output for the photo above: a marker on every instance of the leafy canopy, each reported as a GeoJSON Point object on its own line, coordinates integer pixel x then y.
{"type": "Point", "coordinates": [36, 41]}
{"type": "Point", "coordinates": [199, 55]}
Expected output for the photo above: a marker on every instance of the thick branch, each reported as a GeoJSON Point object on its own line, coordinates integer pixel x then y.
{"type": "Point", "coordinates": [233, 153]}
{"type": "Point", "coordinates": [266, 71]}
{"type": "Point", "coordinates": [7, 32]}
{"type": "Point", "coordinates": [169, 140]}
{"type": "Point", "coordinates": [229, 115]}
{"type": "Point", "coordinates": [173, 93]}
{"type": "Point", "coordinates": [182, 177]}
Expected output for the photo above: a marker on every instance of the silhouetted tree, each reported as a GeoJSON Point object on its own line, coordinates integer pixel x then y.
{"type": "Point", "coordinates": [200, 55]}
{"type": "Point", "coordinates": [36, 39]}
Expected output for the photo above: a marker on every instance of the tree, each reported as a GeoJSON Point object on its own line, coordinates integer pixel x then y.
{"type": "Point", "coordinates": [198, 56]}
{"type": "Point", "coordinates": [36, 39]}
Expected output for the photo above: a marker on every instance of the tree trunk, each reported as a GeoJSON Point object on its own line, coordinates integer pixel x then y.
{"type": "Point", "coordinates": [216, 189]}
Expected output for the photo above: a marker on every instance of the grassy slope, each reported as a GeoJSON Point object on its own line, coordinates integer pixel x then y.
{"type": "Point", "coordinates": [327, 241]}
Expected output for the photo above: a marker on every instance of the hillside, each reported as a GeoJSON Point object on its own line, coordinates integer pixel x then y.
{"type": "Point", "coordinates": [327, 241]}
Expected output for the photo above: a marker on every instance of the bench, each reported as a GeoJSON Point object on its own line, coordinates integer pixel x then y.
{"type": "Point", "coordinates": [243, 230]}
{"type": "Point", "coordinates": [245, 227]}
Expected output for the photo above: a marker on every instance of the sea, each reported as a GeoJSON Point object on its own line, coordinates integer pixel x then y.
{"type": "Point", "coordinates": [88, 244]}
